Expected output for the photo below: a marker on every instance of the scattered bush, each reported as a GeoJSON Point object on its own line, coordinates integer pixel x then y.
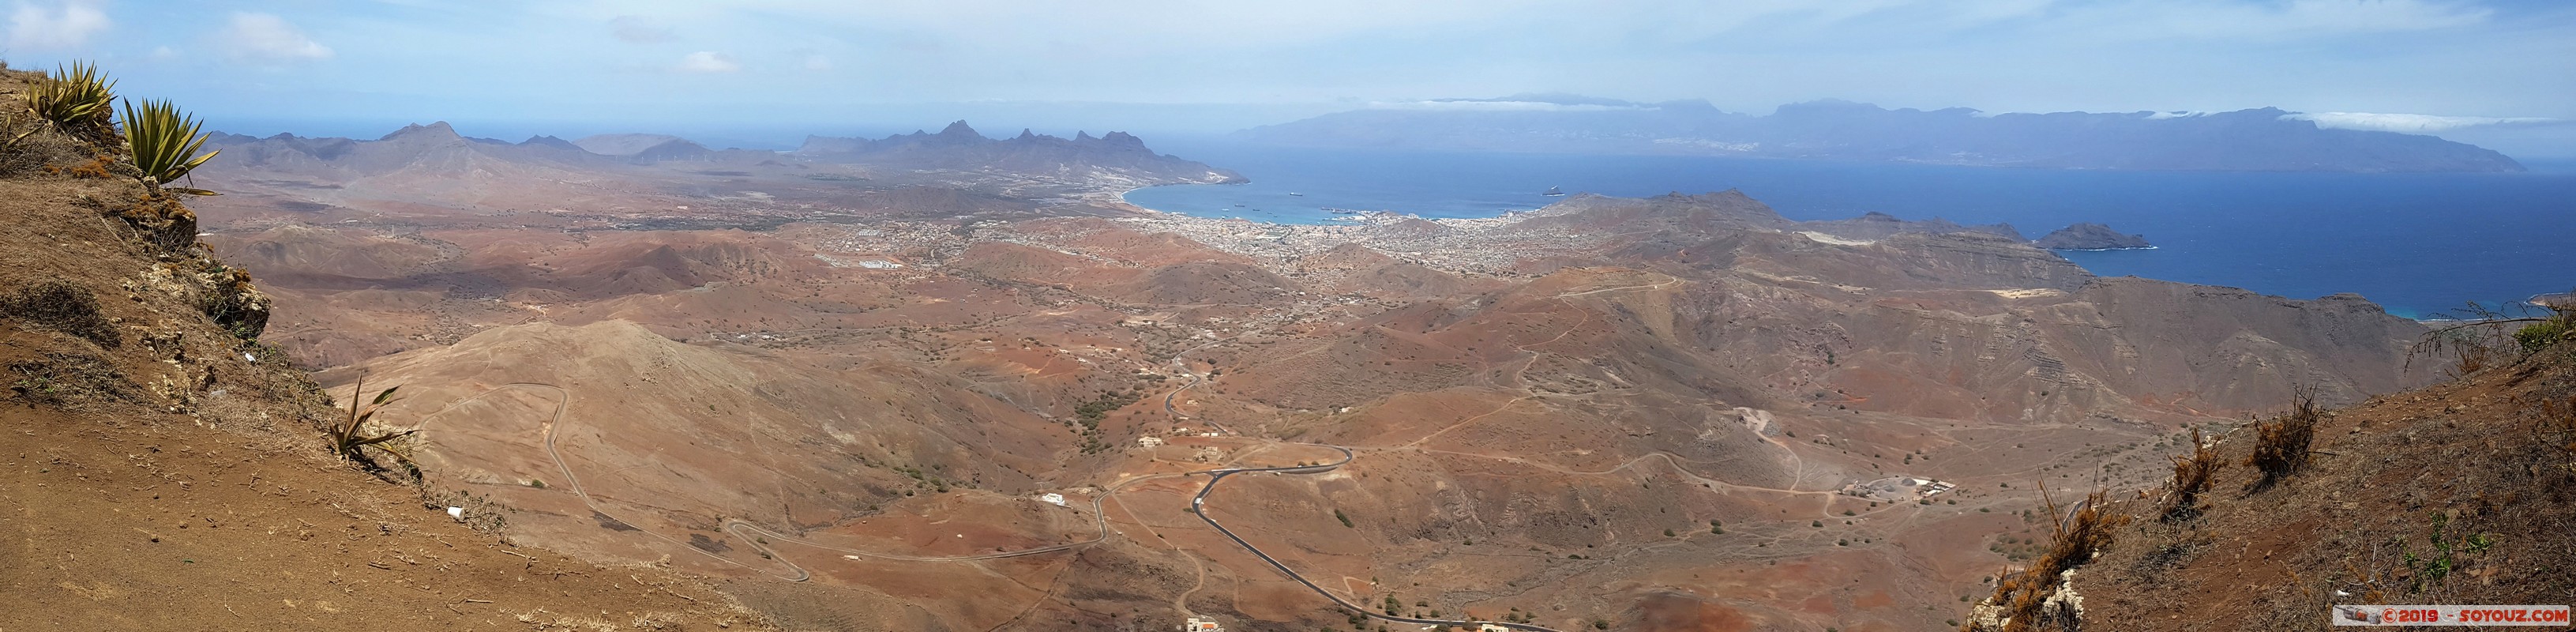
{"type": "Point", "coordinates": [63, 307]}
{"type": "Point", "coordinates": [2541, 335]}
{"type": "Point", "coordinates": [2491, 337]}
{"type": "Point", "coordinates": [2281, 444]}
{"type": "Point", "coordinates": [2024, 600]}
{"type": "Point", "coordinates": [2192, 473]}
{"type": "Point", "coordinates": [69, 381]}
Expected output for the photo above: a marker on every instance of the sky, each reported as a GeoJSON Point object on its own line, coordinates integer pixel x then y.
{"type": "Point", "coordinates": [2500, 73]}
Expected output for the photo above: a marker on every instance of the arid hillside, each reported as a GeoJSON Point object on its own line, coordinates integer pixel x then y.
{"type": "Point", "coordinates": [1673, 413]}
{"type": "Point", "coordinates": [2453, 494]}
{"type": "Point", "coordinates": [163, 469]}
{"type": "Point", "coordinates": [946, 382]}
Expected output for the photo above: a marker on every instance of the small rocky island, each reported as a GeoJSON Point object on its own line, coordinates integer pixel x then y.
{"type": "Point", "coordinates": [2089, 236]}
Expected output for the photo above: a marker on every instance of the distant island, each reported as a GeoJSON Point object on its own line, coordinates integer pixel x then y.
{"type": "Point", "coordinates": [2090, 236]}
{"type": "Point", "coordinates": [2266, 139]}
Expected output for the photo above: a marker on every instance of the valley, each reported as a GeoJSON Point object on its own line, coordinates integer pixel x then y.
{"type": "Point", "coordinates": [848, 387]}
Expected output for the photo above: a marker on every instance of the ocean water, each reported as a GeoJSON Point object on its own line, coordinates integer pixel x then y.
{"type": "Point", "coordinates": [2419, 244]}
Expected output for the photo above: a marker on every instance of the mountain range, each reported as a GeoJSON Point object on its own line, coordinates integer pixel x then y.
{"type": "Point", "coordinates": [2264, 139]}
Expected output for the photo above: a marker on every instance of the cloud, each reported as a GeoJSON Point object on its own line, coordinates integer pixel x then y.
{"type": "Point", "coordinates": [69, 25]}
{"type": "Point", "coordinates": [637, 30]}
{"type": "Point", "coordinates": [707, 61]}
{"type": "Point", "coordinates": [265, 37]}
{"type": "Point", "coordinates": [2208, 19]}
{"type": "Point", "coordinates": [817, 63]}
{"type": "Point", "coordinates": [2409, 123]}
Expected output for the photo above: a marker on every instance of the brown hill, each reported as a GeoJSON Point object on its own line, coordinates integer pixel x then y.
{"type": "Point", "coordinates": [723, 432]}
{"type": "Point", "coordinates": [1690, 371]}
{"type": "Point", "coordinates": [163, 469]}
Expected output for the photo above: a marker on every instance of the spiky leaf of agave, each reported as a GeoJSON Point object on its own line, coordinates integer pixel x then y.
{"type": "Point", "coordinates": [165, 141]}
{"type": "Point", "coordinates": [75, 96]}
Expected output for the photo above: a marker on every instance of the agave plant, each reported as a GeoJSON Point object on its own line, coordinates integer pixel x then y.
{"type": "Point", "coordinates": [349, 438]}
{"type": "Point", "coordinates": [165, 141]}
{"type": "Point", "coordinates": [74, 97]}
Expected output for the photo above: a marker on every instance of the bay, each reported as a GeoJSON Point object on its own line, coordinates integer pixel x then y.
{"type": "Point", "coordinates": [2420, 245]}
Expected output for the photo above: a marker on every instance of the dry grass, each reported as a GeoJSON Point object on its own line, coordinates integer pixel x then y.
{"type": "Point", "coordinates": [2281, 444]}
{"type": "Point", "coordinates": [63, 307]}
{"type": "Point", "coordinates": [2034, 599]}
{"type": "Point", "coordinates": [2192, 474]}
{"type": "Point", "coordinates": [2554, 425]}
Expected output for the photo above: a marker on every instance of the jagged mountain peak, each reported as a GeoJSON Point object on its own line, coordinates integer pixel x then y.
{"type": "Point", "coordinates": [960, 130]}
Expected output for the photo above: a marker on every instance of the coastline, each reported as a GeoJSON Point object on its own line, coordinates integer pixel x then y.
{"type": "Point", "coordinates": [1269, 206]}
{"type": "Point", "coordinates": [2100, 249]}
{"type": "Point", "coordinates": [2230, 245]}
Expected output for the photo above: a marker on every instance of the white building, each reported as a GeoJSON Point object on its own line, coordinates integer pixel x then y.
{"type": "Point", "coordinates": [1148, 442]}
{"type": "Point", "coordinates": [1052, 498]}
{"type": "Point", "coordinates": [1196, 624]}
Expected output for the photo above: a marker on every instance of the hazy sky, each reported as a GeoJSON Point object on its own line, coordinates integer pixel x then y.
{"type": "Point", "coordinates": [509, 67]}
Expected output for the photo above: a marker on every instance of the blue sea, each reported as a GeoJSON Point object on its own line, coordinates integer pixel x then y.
{"type": "Point", "coordinates": [2422, 245]}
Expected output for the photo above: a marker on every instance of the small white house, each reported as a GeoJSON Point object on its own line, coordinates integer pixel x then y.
{"type": "Point", "coordinates": [1052, 498]}
{"type": "Point", "coordinates": [1148, 442]}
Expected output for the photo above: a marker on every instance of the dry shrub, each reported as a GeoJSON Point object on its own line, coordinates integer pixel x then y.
{"type": "Point", "coordinates": [2281, 444]}
{"type": "Point", "coordinates": [96, 168]}
{"type": "Point", "coordinates": [2034, 598]}
{"type": "Point", "coordinates": [2488, 338]}
{"type": "Point", "coordinates": [63, 307]}
{"type": "Point", "coordinates": [68, 380]}
{"type": "Point", "coordinates": [29, 145]}
{"type": "Point", "coordinates": [2192, 474]}
{"type": "Point", "coordinates": [2472, 358]}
